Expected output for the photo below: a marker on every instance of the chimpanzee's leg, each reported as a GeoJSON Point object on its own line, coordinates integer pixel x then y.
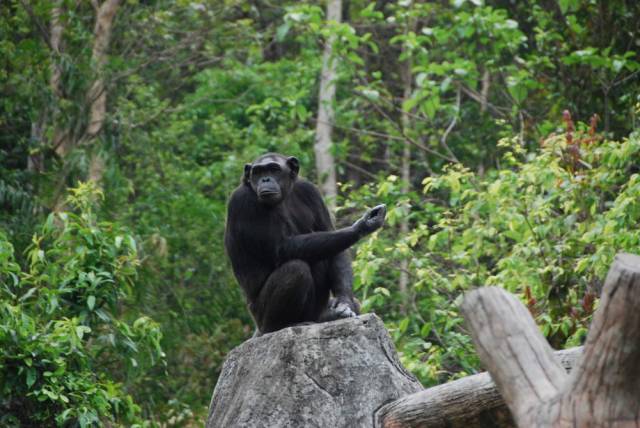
{"type": "Point", "coordinates": [340, 281]}
{"type": "Point", "coordinates": [287, 297]}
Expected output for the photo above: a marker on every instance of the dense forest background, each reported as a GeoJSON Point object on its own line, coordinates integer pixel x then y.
{"type": "Point", "coordinates": [501, 134]}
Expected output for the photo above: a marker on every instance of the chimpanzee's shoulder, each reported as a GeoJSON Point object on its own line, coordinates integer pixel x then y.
{"type": "Point", "coordinates": [306, 187]}
{"type": "Point", "coordinates": [242, 193]}
{"type": "Point", "coordinates": [242, 202]}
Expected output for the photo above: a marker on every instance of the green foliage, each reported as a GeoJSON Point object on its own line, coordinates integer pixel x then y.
{"type": "Point", "coordinates": [179, 169]}
{"type": "Point", "coordinates": [498, 191]}
{"type": "Point", "coordinates": [65, 336]}
{"type": "Point", "coordinates": [545, 226]}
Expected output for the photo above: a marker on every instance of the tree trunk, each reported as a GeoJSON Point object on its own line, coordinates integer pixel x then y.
{"type": "Point", "coordinates": [603, 390]}
{"type": "Point", "coordinates": [61, 142]}
{"type": "Point", "coordinates": [65, 140]}
{"type": "Point", "coordinates": [325, 162]}
{"type": "Point", "coordinates": [55, 40]}
{"type": "Point", "coordinates": [405, 174]}
{"type": "Point", "coordinates": [97, 95]}
{"type": "Point", "coordinates": [484, 93]}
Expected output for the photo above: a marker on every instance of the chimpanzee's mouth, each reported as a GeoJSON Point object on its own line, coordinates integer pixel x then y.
{"type": "Point", "coordinates": [268, 195]}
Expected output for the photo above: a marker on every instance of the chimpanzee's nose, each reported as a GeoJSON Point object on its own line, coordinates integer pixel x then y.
{"type": "Point", "coordinates": [265, 179]}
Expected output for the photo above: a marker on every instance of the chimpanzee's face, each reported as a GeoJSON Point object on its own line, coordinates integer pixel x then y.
{"type": "Point", "coordinates": [271, 177]}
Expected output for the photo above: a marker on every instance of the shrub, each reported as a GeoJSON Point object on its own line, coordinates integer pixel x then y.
{"type": "Point", "coordinates": [68, 349]}
{"type": "Point", "coordinates": [545, 225]}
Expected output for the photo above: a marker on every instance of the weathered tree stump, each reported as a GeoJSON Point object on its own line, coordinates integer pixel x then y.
{"type": "Point", "coordinates": [603, 390]}
{"type": "Point", "coordinates": [323, 375]}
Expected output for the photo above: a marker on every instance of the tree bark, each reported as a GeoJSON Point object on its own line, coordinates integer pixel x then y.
{"type": "Point", "coordinates": [97, 95]}
{"type": "Point", "coordinates": [61, 141]}
{"type": "Point", "coordinates": [484, 93]}
{"type": "Point", "coordinates": [325, 162]}
{"type": "Point", "coordinates": [603, 390]}
{"type": "Point", "coordinates": [55, 41]}
{"type": "Point", "coordinates": [65, 140]}
{"type": "Point", "coordinates": [407, 78]}
{"type": "Point", "coordinates": [470, 402]}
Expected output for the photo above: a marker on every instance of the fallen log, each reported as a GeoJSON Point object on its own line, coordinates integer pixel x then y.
{"type": "Point", "coordinates": [604, 388]}
{"type": "Point", "coordinates": [470, 402]}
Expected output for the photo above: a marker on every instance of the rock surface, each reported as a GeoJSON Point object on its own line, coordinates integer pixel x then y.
{"type": "Point", "coordinates": [323, 375]}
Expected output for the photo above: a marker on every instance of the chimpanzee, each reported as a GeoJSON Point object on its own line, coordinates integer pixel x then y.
{"type": "Point", "coordinates": [285, 252]}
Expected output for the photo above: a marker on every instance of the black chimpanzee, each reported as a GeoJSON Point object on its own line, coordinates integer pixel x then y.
{"type": "Point", "coordinates": [284, 250]}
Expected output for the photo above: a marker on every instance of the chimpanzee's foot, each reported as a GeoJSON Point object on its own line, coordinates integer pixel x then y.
{"type": "Point", "coordinates": [335, 311]}
{"type": "Point", "coordinates": [342, 310]}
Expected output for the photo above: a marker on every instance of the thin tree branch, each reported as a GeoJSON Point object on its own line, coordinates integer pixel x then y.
{"type": "Point", "coordinates": [406, 138]}
{"type": "Point", "coordinates": [478, 98]}
{"type": "Point", "coordinates": [443, 140]}
{"type": "Point", "coordinates": [359, 169]}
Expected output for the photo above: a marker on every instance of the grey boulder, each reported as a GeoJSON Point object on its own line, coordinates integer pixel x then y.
{"type": "Point", "coordinates": [332, 375]}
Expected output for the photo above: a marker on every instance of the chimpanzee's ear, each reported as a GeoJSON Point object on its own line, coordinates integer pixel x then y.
{"type": "Point", "coordinates": [247, 173]}
{"type": "Point", "coordinates": [294, 166]}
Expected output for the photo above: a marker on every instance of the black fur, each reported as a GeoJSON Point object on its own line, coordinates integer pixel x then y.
{"type": "Point", "coordinates": [286, 255]}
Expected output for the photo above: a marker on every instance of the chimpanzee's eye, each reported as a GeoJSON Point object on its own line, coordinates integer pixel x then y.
{"type": "Point", "coordinates": [274, 167]}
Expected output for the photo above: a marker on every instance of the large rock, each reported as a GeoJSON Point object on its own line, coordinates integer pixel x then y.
{"type": "Point", "coordinates": [322, 375]}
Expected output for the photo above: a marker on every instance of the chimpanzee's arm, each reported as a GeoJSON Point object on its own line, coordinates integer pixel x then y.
{"type": "Point", "coordinates": [318, 245]}
{"type": "Point", "coordinates": [340, 271]}
{"type": "Point", "coordinates": [246, 243]}
{"type": "Point", "coordinates": [325, 243]}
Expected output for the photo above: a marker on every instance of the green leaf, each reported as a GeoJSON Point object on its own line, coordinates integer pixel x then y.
{"type": "Point", "coordinates": [81, 330]}
{"type": "Point", "coordinates": [282, 31]}
{"type": "Point", "coordinates": [430, 106]}
{"type": "Point", "coordinates": [618, 64]}
{"type": "Point", "coordinates": [91, 302]}
{"type": "Point", "coordinates": [31, 377]}
{"type": "Point", "coordinates": [52, 395]}
{"type": "Point", "coordinates": [404, 324]}
{"type": "Point", "coordinates": [568, 5]}
{"type": "Point", "coordinates": [372, 94]}
{"type": "Point", "coordinates": [382, 291]}
{"type": "Point", "coordinates": [409, 104]}
{"type": "Point", "coordinates": [28, 294]}
{"type": "Point", "coordinates": [87, 418]}
{"type": "Point", "coordinates": [518, 92]}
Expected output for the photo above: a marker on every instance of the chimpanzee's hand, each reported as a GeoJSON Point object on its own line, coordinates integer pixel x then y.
{"type": "Point", "coordinates": [371, 221]}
